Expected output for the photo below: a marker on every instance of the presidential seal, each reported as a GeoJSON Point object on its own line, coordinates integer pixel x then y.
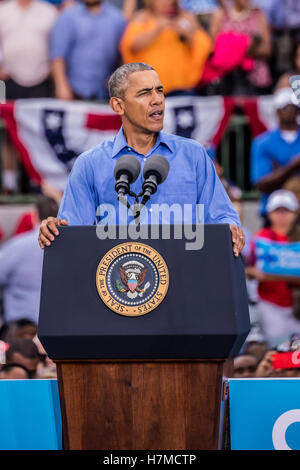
{"type": "Point", "coordinates": [132, 279]}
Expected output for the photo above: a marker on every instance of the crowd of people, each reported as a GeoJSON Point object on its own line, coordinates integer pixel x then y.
{"type": "Point", "coordinates": [67, 49]}
{"type": "Point", "coordinates": [207, 46]}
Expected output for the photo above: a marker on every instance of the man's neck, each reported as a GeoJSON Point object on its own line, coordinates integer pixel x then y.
{"type": "Point", "coordinates": [289, 126]}
{"type": "Point", "coordinates": [94, 7]}
{"type": "Point", "coordinates": [141, 142]}
{"type": "Point", "coordinates": [24, 3]}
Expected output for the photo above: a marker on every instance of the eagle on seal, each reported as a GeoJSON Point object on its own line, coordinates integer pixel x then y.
{"type": "Point", "coordinates": [133, 279]}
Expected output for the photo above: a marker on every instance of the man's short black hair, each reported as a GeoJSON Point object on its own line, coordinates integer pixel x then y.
{"type": "Point", "coordinates": [117, 83]}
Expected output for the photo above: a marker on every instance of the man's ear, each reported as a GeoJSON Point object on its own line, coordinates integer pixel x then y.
{"type": "Point", "coordinates": [117, 105]}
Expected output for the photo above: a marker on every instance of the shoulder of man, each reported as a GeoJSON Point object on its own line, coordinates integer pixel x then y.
{"type": "Point", "coordinates": [19, 241]}
{"type": "Point", "coordinates": [103, 149]}
{"type": "Point", "coordinates": [71, 11]}
{"type": "Point", "coordinates": [113, 11]}
{"type": "Point", "coordinates": [48, 11]}
{"type": "Point", "coordinates": [7, 6]}
{"type": "Point", "coordinates": [266, 137]}
{"type": "Point", "coordinates": [178, 142]}
{"type": "Point", "coordinates": [45, 6]}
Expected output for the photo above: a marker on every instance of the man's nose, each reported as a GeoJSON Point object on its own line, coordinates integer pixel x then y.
{"type": "Point", "coordinates": [157, 98]}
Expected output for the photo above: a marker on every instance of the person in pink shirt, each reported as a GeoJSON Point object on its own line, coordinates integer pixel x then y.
{"type": "Point", "coordinates": [242, 18]}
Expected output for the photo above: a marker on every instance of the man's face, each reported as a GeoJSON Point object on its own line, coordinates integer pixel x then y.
{"type": "Point", "coordinates": [244, 366]}
{"type": "Point", "coordinates": [92, 3]}
{"type": "Point", "coordinates": [144, 101]}
{"type": "Point", "coordinates": [288, 114]}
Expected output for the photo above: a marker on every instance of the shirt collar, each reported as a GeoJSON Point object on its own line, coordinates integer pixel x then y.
{"type": "Point", "coordinates": [120, 142]}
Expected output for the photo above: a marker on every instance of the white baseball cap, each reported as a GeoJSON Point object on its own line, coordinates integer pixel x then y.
{"type": "Point", "coordinates": [283, 97]}
{"type": "Point", "coordinates": [282, 198]}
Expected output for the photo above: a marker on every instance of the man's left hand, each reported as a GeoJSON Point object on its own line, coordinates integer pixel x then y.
{"type": "Point", "coordinates": [238, 239]}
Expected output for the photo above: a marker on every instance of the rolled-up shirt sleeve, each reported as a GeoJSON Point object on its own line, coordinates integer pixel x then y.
{"type": "Point", "coordinates": [78, 204]}
{"type": "Point", "coordinates": [218, 208]}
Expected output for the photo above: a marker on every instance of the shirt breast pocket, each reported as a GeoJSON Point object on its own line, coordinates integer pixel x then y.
{"type": "Point", "coordinates": [174, 208]}
{"type": "Point", "coordinates": [178, 198]}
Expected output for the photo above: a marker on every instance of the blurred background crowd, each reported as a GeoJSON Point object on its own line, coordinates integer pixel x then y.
{"type": "Point", "coordinates": [67, 49]}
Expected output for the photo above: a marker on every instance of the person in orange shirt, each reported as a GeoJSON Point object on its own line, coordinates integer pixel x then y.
{"type": "Point", "coordinates": [169, 39]}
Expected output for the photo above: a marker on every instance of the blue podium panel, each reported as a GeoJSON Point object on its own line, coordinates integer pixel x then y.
{"type": "Point", "coordinates": [30, 415]}
{"type": "Point", "coordinates": [264, 414]}
{"type": "Point", "coordinates": [81, 302]}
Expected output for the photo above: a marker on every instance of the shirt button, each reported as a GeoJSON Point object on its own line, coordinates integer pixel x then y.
{"type": "Point", "coordinates": [129, 149]}
{"type": "Point", "coordinates": [144, 159]}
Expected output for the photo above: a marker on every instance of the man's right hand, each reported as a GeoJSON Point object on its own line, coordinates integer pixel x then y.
{"type": "Point", "coordinates": [48, 229]}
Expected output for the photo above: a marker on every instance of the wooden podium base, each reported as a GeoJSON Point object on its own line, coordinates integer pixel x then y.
{"type": "Point", "coordinates": [147, 405]}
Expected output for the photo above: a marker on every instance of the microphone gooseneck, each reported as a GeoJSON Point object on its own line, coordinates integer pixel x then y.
{"type": "Point", "coordinates": [155, 172]}
{"type": "Point", "coordinates": [126, 172]}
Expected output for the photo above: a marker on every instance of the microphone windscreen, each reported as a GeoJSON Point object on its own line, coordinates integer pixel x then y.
{"type": "Point", "coordinates": [157, 165]}
{"type": "Point", "coordinates": [128, 165]}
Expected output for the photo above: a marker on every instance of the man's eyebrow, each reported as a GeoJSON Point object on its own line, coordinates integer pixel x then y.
{"type": "Point", "coordinates": [160, 87]}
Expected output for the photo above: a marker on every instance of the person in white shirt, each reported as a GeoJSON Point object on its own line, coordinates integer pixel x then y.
{"type": "Point", "coordinates": [25, 26]}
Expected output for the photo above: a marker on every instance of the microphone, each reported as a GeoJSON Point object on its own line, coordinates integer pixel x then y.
{"type": "Point", "coordinates": [155, 171]}
{"type": "Point", "coordinates": [126, 171]}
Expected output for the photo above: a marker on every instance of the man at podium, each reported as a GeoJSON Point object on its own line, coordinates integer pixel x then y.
{"type": "Point", "coordinates": [138, 326]}
{"type": "Point", "coordinates": [137, 95]}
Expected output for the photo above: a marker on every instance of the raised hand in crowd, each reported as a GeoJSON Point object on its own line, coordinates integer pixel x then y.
{"type": "Point", "coordinates": [186, 26]}
{"type": "Point", "coordinates": [265, 366]}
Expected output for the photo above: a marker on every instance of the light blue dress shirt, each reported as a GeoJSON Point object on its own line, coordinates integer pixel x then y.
{"type": "Point", "coordinates": [89, 44]}
{"type": "Point", "coordinates": [21, 260]}
{"type": "Point", "coordinates": [192, 180]}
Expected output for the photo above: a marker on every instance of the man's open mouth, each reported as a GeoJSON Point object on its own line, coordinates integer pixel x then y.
{"type": "Point", "coordinates": [156, 114]}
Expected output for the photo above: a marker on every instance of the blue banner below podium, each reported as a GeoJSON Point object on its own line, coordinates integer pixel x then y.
{"type": "Point", "coordinates": [30, 415]}
{"type": "Point", "coordinates": [265, 414]}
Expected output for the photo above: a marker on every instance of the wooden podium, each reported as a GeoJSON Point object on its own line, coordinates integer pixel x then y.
{"type": "Point", "coordinates": [153, 380]}
{"type": "Point", "coordinates": [152, 405]}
